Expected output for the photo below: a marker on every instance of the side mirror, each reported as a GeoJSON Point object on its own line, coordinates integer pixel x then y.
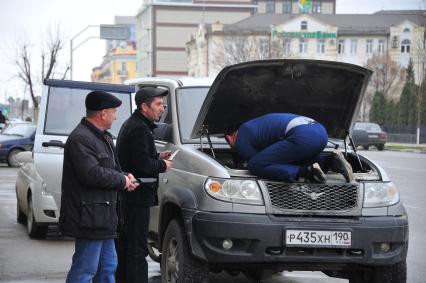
{"type": "Point", "coordinates": [24, 157]}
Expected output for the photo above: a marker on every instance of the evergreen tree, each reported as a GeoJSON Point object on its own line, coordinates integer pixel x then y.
{"type": "Point", "coordinates": [391, 113]}
{"type": "Point", "coordinates": [407, 102]}
{"type": "Point", "coordinates": [378, 108]}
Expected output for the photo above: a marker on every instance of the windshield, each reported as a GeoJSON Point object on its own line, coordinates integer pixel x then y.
{"type": "Point", "coordinates": [22, 130]}
{"type": "Point", "coordinates": [369, 127]}
{"type": "Point", "coordinates": [189, 102]}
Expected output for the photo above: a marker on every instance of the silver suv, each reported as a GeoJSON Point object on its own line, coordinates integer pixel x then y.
{"type": "Point", "coordinates": [214, 215]}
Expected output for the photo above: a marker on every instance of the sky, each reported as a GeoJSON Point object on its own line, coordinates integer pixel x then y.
{"type": "Point", "coordinates": [30, 19]}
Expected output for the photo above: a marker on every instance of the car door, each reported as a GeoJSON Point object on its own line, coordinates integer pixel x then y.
{"type": "Point", "coordinates": [61, 109]}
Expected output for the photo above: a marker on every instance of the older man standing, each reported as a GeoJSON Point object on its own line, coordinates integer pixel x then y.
{"type": "Point", "coordinates": [138, 155]}
{"type": "Point", "coordinates": [90, 180]}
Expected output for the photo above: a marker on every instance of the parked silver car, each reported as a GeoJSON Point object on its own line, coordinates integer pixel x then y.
{"type": "Point", "coordinates": [214, 215]}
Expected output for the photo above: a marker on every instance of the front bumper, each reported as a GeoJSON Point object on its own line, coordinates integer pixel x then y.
{"type": "Point", "coordinates": [260, 239]}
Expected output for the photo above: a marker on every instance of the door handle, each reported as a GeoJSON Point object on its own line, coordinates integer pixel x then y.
{"type": "Point", "coordinates": [53, 143]}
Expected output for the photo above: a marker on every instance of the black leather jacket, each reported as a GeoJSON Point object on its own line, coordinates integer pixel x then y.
{"type": "Point", "coordinates": [138, 155]}
{"type": "Point", "coordinates": [90, 180]}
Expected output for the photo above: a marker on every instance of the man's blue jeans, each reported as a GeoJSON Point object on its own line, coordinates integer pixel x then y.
{"type": "Point", "coordinates": [93, 261]}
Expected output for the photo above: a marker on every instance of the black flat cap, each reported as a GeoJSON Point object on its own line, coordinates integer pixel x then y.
{"type": "Point", "coordinates": [149, 91]}
{"type": "Point", "coordinates": [98, 100]}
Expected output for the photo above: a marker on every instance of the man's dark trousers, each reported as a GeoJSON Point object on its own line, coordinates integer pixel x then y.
{"type": "Point", "coordinates": [132, 245]}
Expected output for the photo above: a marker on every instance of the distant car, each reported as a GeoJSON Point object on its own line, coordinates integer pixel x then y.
{"type": "Point", "coordinates": [14, 139]}
{"type": "Point", "coordinates": [368, 134]}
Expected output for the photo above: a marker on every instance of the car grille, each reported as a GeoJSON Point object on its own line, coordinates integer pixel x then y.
{"type": "Point", "coordinates": [309, 197]}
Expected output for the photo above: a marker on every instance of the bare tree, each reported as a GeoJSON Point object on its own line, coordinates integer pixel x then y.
{"type": "Point", "coordinates": [27, 67]}
{"type": "Point", "coordinates": [385, 72]}
{"type": "Point", "coordinates": [383, 79]}
{"type": "Point", "coordinates": [238, 47]}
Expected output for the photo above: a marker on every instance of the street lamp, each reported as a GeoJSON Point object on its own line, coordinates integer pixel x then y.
{"type": "Point", "coordinates": [110, 32]}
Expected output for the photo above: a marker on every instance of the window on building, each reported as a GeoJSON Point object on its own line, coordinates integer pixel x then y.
{"type": "Point", "coordinates": [320, 46]}
{"type": "Point", "coordinates": [381, 47]}
{"type": "Point", "coordinates": [405, 46]}
{"type": "Point", "coordinates": [406, 30]}
{"type": "Point", "coordinates": [123, 66]}
{"type": "Point", "coordinates": [303, 25]}
{"type": "Point", "coordinates": [316, 7]}
{"type": "Point", "coordinates": [270, 7]}
{"type": "Point", "coordinates": [341, 46]}
{"type": "Point", "coordinates": [287, 46]}
{"type": "Point", "coordinates": [369, 46]}
{"type": "Point", "coordinates": [287, 7]}
{"type": "Point", "coordinates": [303, 45]}
{"type": "Point", "coordinates": [354, 44]}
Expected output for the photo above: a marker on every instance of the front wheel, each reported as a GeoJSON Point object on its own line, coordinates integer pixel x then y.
{"type": "Point", "coordinates": [396, 273]}
{"type": "Point", "coordinates": [35, 230]}
{"type": "Point", "coordinates": [380, 146]}
{"type": "Point", "coordinates": [177, 264]}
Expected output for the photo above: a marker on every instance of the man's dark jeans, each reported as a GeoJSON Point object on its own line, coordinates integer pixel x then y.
{"type": "Point", "coordinates": [132, 246]}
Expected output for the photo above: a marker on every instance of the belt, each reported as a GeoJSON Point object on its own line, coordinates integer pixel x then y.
{"type": "Point", "coordinates": [297, 122]}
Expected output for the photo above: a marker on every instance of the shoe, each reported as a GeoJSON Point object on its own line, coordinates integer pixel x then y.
{"type": "Point", "coordinates": [339, 164]}
{"type": "Point", "coordinates": [315, 174]}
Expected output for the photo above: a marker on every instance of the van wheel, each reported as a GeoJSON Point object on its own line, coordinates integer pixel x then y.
{"type": "Point", "coordinates": [380, 146]}
{"type": "Point", "coordinates": [11, 158]}
{"type": "Point", "coordinates": [177, 264]}
{"type": "Point", "coordinates": [396, 273]}
{"type": "Point", "coordinates": [20, 216]}
{"type": "Point", "coordinates": [365, 147]}
{"type": "Point", "coordinates": [35, 230]}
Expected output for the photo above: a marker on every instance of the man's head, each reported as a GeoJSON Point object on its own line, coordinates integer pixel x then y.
{"type": "Point", "coordinates": [149, 101]}
{"type": "Point", "coordinates": [231, 138]}
{"type": "Point", "coordinates": [101, 108]}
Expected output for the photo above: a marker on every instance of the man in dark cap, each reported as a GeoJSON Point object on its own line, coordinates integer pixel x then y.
{"type": "Point", "coordinates": [91, 178]}
{"type": "Point", "coordinates": [138, 155]}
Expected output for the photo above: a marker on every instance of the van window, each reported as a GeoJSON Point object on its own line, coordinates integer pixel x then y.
{"type": "Point", "coordinates": [65, 108]}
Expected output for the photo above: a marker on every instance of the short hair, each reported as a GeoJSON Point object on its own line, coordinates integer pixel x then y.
{"type": "Point", "coordinates": [147, 101]}
{"type": "Point", "coordinates": [92, 113]}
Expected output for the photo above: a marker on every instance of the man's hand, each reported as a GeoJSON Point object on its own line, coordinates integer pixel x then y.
{"type": "Point", "coordinates": [131, 183]}
{"type": "Point", "coordinates": [164, 155]}
{"type": "Point", "coordinates": [169, 164]}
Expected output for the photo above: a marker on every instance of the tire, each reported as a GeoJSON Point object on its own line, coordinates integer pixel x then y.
{"type": "Point", "coordinates": [11, 158]}
{"type": "Point", "coordinates": [380, 147]}
{"type": "Point", "coordinates": [20, 216]}
{"type": "Point", "coordinates": [177, 264]}
{"type": "Point", "coordinates": [35, 230]}
{"type": "Point", "coordinates": [396, 273]}
{"type": "Point", "coordinates": [365, 147]}
{"type": "Point", "coordinates": [153, 252]}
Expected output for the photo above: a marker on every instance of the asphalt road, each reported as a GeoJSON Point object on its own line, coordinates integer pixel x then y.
{"type": "Point", "coordinates": [23, 260]}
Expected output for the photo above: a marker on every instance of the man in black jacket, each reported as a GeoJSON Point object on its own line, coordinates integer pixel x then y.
{"type": "Point", "coordinates": [90, 180]}
{"type": "Point", "coordinates": [138, 155]}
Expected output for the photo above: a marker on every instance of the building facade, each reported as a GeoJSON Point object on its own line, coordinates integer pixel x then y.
{"type": "Point", "coordinates": [346, 38]}
{"type": "Point", "coordinates": [119, 62]}
{"type": "Point", "coordinates": [164, 26]}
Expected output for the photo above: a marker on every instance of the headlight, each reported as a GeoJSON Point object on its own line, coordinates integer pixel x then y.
{"type": "Point", "coordinates": [231, 190]}
{"type": "Point", "coordinates": [380, 194]}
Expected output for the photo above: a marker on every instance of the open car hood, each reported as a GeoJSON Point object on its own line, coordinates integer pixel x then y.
{"type": "Point", "coordinates": [329, 92]}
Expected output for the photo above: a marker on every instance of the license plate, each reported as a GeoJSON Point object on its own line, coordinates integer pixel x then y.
{"type": "Point", "coordinates": [309, 238]}
{"type": "Point", "coordinates": [373, 136]}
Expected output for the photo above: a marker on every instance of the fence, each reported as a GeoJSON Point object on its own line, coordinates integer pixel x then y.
{"type": "Point", "coordinates": [404, 134]}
